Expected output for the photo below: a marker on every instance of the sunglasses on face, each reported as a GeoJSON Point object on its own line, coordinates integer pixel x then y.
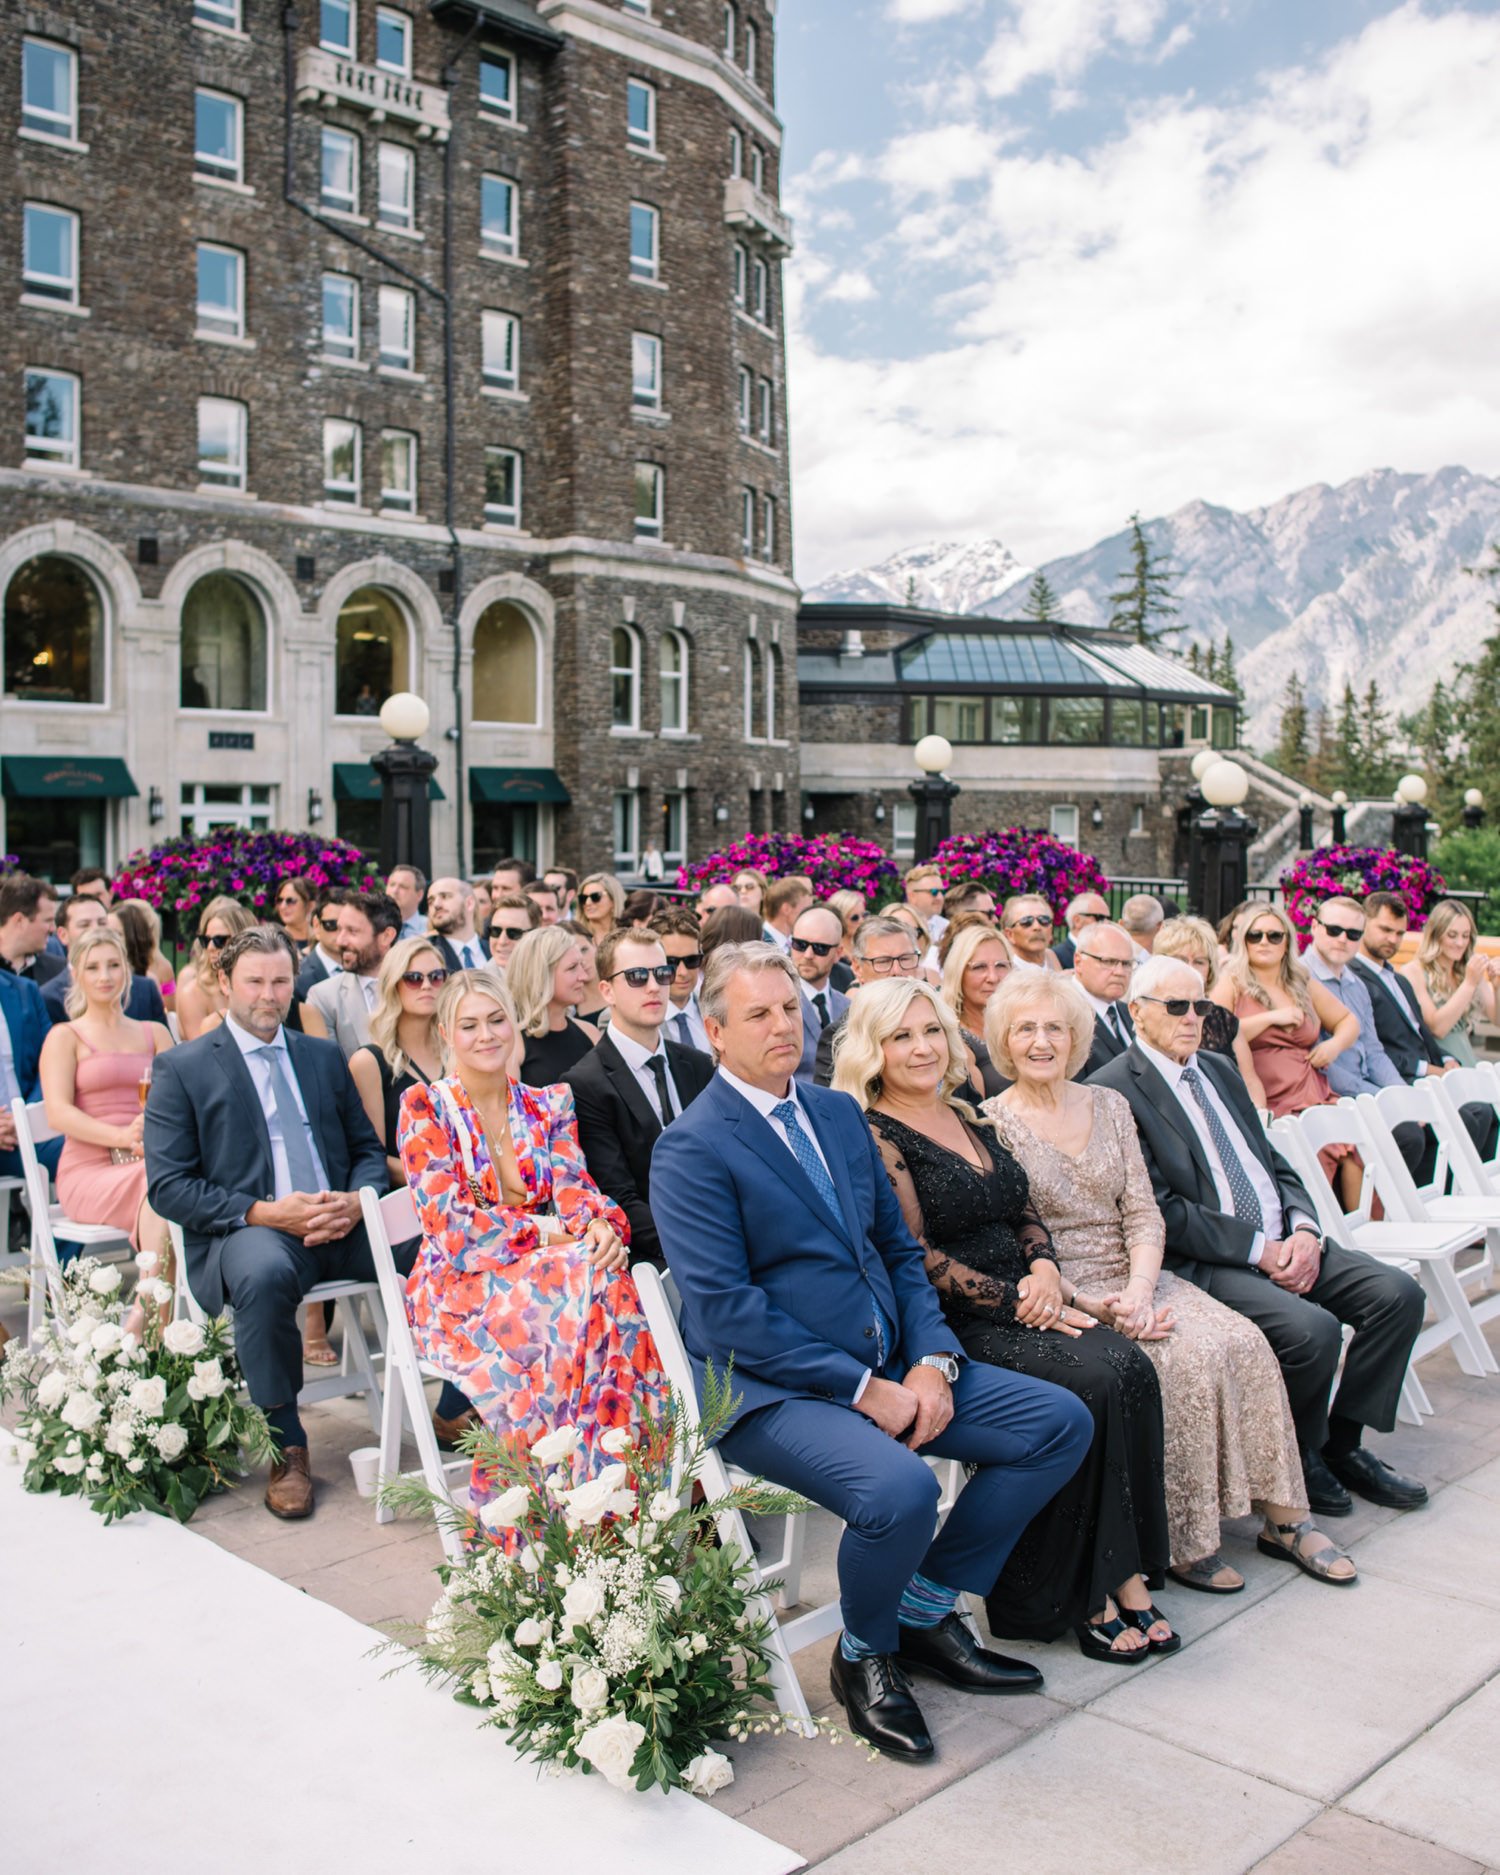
{"type": "Point", "coordinates": [1273, 936]}
{"type": "Point", "coordinates": [416, 978]}
{"type": "Point", "coordinates": [639, 975]}
{"type": "Point", "coordinates": [330, 925]}
{"type": "Point", "coordinates": [512, 931]}
{"type": "Point", "coordinates": [1088, 917]}
{"type": "Point", "coordinates": [1180, 1005]}
{"type": "Point", "coordinates": [818, 950]}
{"type": "Point", "coordinates": [1030, 919]}
{"type": "Point", "coordinates": [594, 898]}
{"type": "Point", "coordinates": [290, 899]}
{"type": "Point", "coordinates": [883, 966]}
{"type": "Point", "coordinates": [1352, 931]}
{"type": "Point", "coordinates": [693, 961]}
{"type": "Point", "coordinates": [218, 943]}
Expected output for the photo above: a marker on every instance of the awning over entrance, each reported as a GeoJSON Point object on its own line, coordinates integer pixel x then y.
{"type": "Point", "coordinates": [357, 781]}
{"type": "Point", "coordinates": [65, 778]}
{"type": "Point", "coordinates": [509, 787]}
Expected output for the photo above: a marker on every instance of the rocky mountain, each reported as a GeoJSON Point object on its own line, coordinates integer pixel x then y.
{"type": "Point", "coordinates": [950, 576]}
{"type": "Point", "coordinates": [1360, 581]}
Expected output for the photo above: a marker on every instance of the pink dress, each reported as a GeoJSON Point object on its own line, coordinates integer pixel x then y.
{"type": "Point", "coordinates": [91, 1188]}
{"type": "Point", "coordinates": [1291, 1082]}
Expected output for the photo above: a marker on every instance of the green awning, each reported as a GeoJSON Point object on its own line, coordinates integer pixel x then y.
{"type": "Point", "coordinates": [65, 778]}
{"type": "Point", "coordinates": [357, 781]}
{"type": "Point", "coordinates": [498, 787]}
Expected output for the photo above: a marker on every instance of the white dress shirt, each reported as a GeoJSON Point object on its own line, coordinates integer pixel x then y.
{"type": "Point", "coordinates": [470, 954]}
{"type": "Point", "coordinates": [696, 1035]}
{"type": "Point", "coordinates": [260, 1073]}
{"type": "Point", "coordinates": [635, 1058]}
{"type": "Point", "coordinates": [1109, 1015]}
{"type": "Point", "coordinates": [764, 1102]}
{"type": "Point", "coordinates": [371, 988]}
{"type": "Point", "coordinates": [823, 989]}
{"type": "Point", "coordinates": [781, 939]}
{"type": "Point", "coordinates": [329, 961]}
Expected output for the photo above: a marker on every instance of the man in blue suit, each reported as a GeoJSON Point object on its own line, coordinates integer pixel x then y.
{"type": "Point", "coordinates": [792, 1260]}
{"type": "Point", "coordinates": [23, 1029]}
{"type": "Point", "coordinates": [817, 938]}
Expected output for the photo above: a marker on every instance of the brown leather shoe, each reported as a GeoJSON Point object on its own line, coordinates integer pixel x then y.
{"type": "Point", "coordinates": [290, 1492]}
{"type": "Point", "coordinates": [450, 1431]}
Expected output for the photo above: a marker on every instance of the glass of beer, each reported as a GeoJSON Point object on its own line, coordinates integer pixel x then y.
{"type": "Point", "coordinates": [143, 1085]}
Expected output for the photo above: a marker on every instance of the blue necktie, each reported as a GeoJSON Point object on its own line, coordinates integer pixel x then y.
{"type": "Point", "coordinates": [808, 1157]}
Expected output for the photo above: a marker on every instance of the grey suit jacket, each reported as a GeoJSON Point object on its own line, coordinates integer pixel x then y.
{"type": "Point", "coordinates": [340, 1001]}
{"type": "Point", "coordinates": [812, 1030]}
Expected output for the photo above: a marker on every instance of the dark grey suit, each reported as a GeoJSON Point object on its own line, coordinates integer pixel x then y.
{"type": "Point", "coordinates": [1413, 1048]}
{"type": "Point", "coordinates": [1106, 1045]}
{"type": "Point", "coordinates": [1212, 1248]}
{"type": "Point", "coordinates": [813, 1030]}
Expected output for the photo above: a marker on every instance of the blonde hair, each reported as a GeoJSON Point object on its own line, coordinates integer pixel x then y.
{"type": "Point", "coordinates": [533, 964]}
{"type": "Point", "coordinates": [874, 1016]}
{"type": "Point", "coordinates": [611, 885]}
{"type": "Point", "coordinates": [1439, 921]}
{"type": "Point", "coordinates": [750, 872]}
{"type": "Point", "coordinates": [847, 903]}
{"type": "Point", "coordinates": [205, 958]}
{"type": "Point", "coordinates": [956, 955]}
{"type": "Point", "coordinates": [1027, 989]}
{"type": "Point", "coordinates": [1291, 971]}
{"type": "Point", "coordinates": [76, 1001]}
{"type": "Point", "coordinates": [486, 981]}
{"type": "Point", "coordinates": [385, 1017]}
{"type": "Point", "coordinates": [1178, 936]}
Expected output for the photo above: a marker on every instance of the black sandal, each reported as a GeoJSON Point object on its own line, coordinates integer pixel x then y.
{"type": "Point", "coordinates": [1146, 1618]}
{"type": "Point", "coordinates": [1095, 1637]}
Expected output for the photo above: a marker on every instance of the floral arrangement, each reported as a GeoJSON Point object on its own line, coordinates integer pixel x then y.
{"type": "Point", "coordinates": [1011, 860]}
{"type": "Point", "coordinates": [152, 1424]}
{"type": "Point", "coordinates": [835, 862]}
{"type": "Point", "coordinates": [8, 862]}
{"type": "Point", "coordinates": [600, 1627]}
{"type": "Point", "coordinates": [1329, 871]}
{"type": "Point", "coordinates": [182, 875]}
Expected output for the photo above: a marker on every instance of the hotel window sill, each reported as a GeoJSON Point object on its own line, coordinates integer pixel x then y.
{"type": "Point", "coordinates": [343, 507]}
{"type": "Point", "coordinates": [69, 145]}
{"type": "Point", "coordinates": [35, 465]}
{"type": "Point", "coordinates": [400, 514]}
{"type": "Point", "coordinates": [765, 449]}
{"type": "Point", "coordinates": [39, 302]}
{"type": "Point", "coordinates": [342, 364]}
{"type": "Point", "coordinates": [513, 529]}
{"type": "Point", "coordinates": [402, 373]}
{"type": "Point", "coordinates": [651, 156]}
{"type": "Point", "coordinates": [501, 122]}
{"type": "Point", "coordinates": [220, 488]}
{"type": "Point", "coordinates": [505, 260]}
{"type": "Point", "coordinates": [654, 419]}
{"type": "Point", "coordinates": [225, 338]}
{"type": "Point", "coordinates": [401, 234]}
{"type": "Point", "coordinates": [225, 183]}
{"type": "Point", "coordinates": [503, 396]}
{"type": "Point", "coordinates": [344, 215]}
{"type": "Point", "coordinates": [657, 286]}
{"type": "Point", "coordinates": [223, 32]}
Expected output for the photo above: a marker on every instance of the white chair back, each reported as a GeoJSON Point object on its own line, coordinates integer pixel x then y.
{"type": "Point", "coordinates": [1300, 1137]}
{"type": "Point", "coordinates": [1464, 1087]}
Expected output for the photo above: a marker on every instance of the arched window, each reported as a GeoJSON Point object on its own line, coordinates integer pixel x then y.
{"type": "Point", "coordinates": [752, 690]}
{"type": "Point", "coordinates": [773, 689]}
{"type": "Point", "coordinates": [373, 651]}
{"type": "Point", "coordinates": [674, 684]}
{"type": "Point", "coordinates": [223, 646]}
{"type": "Point", "coordinates": [505, 666]}
{"type": "Point", "coordinates": [54, 633]}
{"type": "Point", "coordinates": [625, 678]}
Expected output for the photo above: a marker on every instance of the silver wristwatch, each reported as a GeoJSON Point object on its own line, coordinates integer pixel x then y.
{"type": "Point", "coordinates": [944, 1363]}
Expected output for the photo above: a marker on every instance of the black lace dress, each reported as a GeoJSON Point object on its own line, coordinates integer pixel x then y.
{"type": "Point", "coordinates": [1109, 1521]}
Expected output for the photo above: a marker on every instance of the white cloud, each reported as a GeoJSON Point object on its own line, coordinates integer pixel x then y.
{"type": "Point", "coordinates": [850, 287]}
{"type": "Point", "coordinates": [1226, 302]}
{"type": "Point", "coordinates": [920, 12]}
{"type": "Point", "coordinates": [1059, 38]}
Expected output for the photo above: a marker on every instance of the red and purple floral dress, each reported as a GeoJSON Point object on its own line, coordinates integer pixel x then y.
{"type": "Point", "coordinates": [534, 1335]}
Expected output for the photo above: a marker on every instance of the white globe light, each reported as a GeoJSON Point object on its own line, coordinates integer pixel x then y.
{"type": "Point", "coordinates": [404, 717]}
{"type": "Point", "coordinates": [1203, 761]}
{"type": "Point", "coordinates": [1224, 784]}
{"type": "Point", "coordinates": [933, 754]}
{"type": "Point", "coordinates": [1304, 800]}
{"type": "Point", "coordinates": [1339, 798]}
{"type": "Point", "coordinates": [1473, 797]}
{"type": "Point", "coordinates": [1412, 788]}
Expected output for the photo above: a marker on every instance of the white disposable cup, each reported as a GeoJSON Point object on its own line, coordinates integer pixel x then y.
{"type": "Point", "coordinates": [365, 1464]}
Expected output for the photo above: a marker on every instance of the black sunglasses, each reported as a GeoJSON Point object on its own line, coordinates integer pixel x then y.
{"type": "Point", "coordinates": [1089, 917]}
{"type": "Point", "coordinates": [328, 924]}
{"type": "Point", "coordinates": [639, 975]}
{"type": "Point", "coordinates": [693, 961]}
{"type": "Point", "coordinates": [416, 978]}
{"type": "Point", "coordinates": [218, 943]}
{"type": "Point", "coordinates": [1179, 1005]}
{"type": "Point", "coordinates": [818, 950]}
{"type": "Point", "coordinates": [1356, 932]}
{"type": "Point", "coordinates": [1273, 936]}
{"type": "Point", "coordinates": [1031, 918]}
{"type": "Point", "coordinates": [593, 898]}
{"type": "Point", "coordinates": [508, 930]}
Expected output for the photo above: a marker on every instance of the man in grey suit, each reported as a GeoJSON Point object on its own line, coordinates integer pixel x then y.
{"type": "Point", "coordinates": [369, 924]}
{"type": "Point", "coordinates": [1103, 958]}
{"type": "Point", "coordinates": [816, 939]}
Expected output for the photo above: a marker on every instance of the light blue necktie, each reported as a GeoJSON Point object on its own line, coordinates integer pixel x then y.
{"type": "Point", "coordinates": [822, 1183]}
{"type": "Point", "coordinates": [301, 1165]}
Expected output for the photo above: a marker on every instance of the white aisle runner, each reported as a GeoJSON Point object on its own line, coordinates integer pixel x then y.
{"type": "Point", "coordinates": [169, 1708]}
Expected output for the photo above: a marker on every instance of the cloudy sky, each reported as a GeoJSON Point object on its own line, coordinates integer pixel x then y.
{"type": "Point", "coordinates": [1062, 259]}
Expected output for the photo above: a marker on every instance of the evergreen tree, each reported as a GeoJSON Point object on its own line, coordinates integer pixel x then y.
{"type": "Point", "coordinates": [1435, 733]}
{"type": "Point", "coordinates": [1041, 601]}
{"type": "Point", "coordinates": [1379, 766]}
{"type": "Point", "coordinates": [1348, 762]}
{"type": "Point", "coordinates": [911, 589]}
{"type": "Point", "coordinates": [1144, 603]}
{"type": "Point", "coordinates": [1322, 771]}
{"type": "Point", "coordinates": [1195, 660]}
{"type": "Point", "coordinates": [1223, 671]}
{"type": "Point", "coordinates": [1477, 706]}
{"type": "Point", "coordinates": [1293, 754]}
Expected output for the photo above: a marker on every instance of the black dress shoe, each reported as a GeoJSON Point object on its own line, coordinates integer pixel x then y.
{"type": "Point", "coordinates": [951, 1653]}
{"type": "Point", "coordinates": [877, 1700]}
{"type": "Point", "coordinates": [1326, 1497]}
{"type": "Point", "coordinates": [1362, 1471]}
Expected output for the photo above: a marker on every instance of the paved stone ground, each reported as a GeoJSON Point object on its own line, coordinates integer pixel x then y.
{"type": "Point", "coordinates": [1302, 1730]}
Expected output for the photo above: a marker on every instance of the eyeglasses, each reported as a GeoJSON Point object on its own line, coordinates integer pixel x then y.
{"type": "Point", "coordinates": [807, 944]}
{"type": "Point", "coordinates": [513, 931]}
{"type": "Point", "coordinates": [1089, 917]}
{"type": "Point", "coordinates": [1104, 963]}
{"type": "Point", "coordinates": [1179, 1005]}
{"type": "Point", "coordinates": [593, 898]}
{"type": "Point", "coordinates": [218, 943]}
{"type": "Point", "coordinates": [1053, 1031]}
{"type": "Point", "coordinates": [289, 899]}
{"type": "Point", "coordinates": [416, 978]}
{"type": "Point", "coordinates": [1352, 931]}
{"type": "Point", "coordinates": [693, 961]}
{"type": "Point", "coordinates": [1273, 936]}
{"type": "Point", "coordinates": [1031, 918]}
{"type": "Point", "coordinates": [928, 891]}
{"type": "Point", "coordinates": [883, 966]}
{"type": "Point", "coordinates": [639, 975]}
{"type": "Point", "coordinates": [330, 925]}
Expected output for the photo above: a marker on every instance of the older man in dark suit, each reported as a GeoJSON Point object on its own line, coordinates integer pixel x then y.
{"type": "Point", "coordinates": [1103, 958]}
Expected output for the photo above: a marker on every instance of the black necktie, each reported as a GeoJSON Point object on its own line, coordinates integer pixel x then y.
{"type": "Point", "coordinates": [820, 1003]}
{"type": "Point", "coordinates": [658, 1065]}
{"type": "Point", "coordinates": [1117, 1025]}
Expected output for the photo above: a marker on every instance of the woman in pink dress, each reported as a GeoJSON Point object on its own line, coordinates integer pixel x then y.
{"type": "Point", "coordinates": [94, 1069]}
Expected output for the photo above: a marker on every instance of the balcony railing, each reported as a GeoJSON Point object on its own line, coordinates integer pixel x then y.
{"type": "Point", "coordinates": [330, 79]}
{"type": "Point", "coordinates": [756, 215]}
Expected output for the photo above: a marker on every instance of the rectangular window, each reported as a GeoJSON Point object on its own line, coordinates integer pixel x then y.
{"type": "Point", "coordinates": [221, 442]}
{"type": "Point", "coordinates": [219, 136]}
{"type": "Point", "coordinates": [1137, 821]}
{"type": "Point", "coordinates": [49, 253]}
{"type": "Point", "coordinates": [392, 41]}
{"type": "Point", "coordinates": [768, 538]}
{"type": "Point", "coordinates": [52, 418]}
{"type": "Point", "coordinates": [1076, 720]}
{"type": "Point", "coordinates": [645, 258]}
{"type": "Point", "coordinates": [645, 371]}
{"type": "Point", "coordinates": [1224, 726]}
{"type": "Point", "coordinates": [397, 316]}
{"type": "Point", "coordinates": [49, 90]}
{"type": "Point", "coordinates": [502, 487]}
{"type": "Point", "coordinates": [760, 291]}
{"type": "Point", "coordinates": [340, 316]}
{"type": "Point", "coordinates": [221, 291]}
{"type": "Point", "coordinates": [650, 487]}
{"type": "Point", "coordinates": [626, 821]}
{"type": "Point", "coordinates": [396, 168]}
{"type": "Point", "coordinates": [1064, 825]}
{"type": "Point", "coordinates": [674, 829]}
{"type": "Point", "coordinates": [497, 84]}
{"type": "Point", "coordinates": [341, 441]}
{"type": "Point", "coordinates": [765, 427]}
{"type": "Point", "coordinates": [736, 153]}
{"type": "Point", "coordinates": [336, 26]}
{"type": "Point", "coordinates": [744, 400]}
{"type": "Point", "coordinates": [1198, 723]}
{"type": "Point", "coordinates": [747, 521]}
{"type": "Point", "coordinates": [960, 719]}
{"type": "Point", "coordinates": [757, 166]}
{"type": "Point", "coordinates": [499, 222]}
{"type": "Point", "coordinates": [225, 13]}
{"type": "Point", "coordinates": [1153, 725]}
{"type": "Point", "coordinates": [398, 471]}
{"type": "Point", "coordinates": [741, 276]}
{"type": "Point", "coordinates": [729, 34]}
{"type": "Point", "coordinates": [1015, 719]}
{"type": "Point", "coordinates": [752, 50]}
{"type": "Point", "coordinates": [640, 114]}
{"type": "Point", "coordinates": [340, 172]}
{"type": "Point", "coordinates": [904, 831]}
{"type": "Point", "coordinates": [501, 336]}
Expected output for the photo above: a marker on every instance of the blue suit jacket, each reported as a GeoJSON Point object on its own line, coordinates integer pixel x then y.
{"type": "Point", "coordinates": [25, 1019]}
{"type": "Point", "coordinates": [838, 1008]}
{"type": "Point", "coordinates": [766, 1272]}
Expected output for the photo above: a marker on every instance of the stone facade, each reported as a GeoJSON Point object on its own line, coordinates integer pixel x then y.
{"type": "Point", "coordinates": [136, 513]}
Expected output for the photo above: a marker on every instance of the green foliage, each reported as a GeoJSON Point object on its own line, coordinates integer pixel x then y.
{"type": "Point", "coordinates": [1469, 860]}
{"type": "Point", "coordinates": [1041, 601]}
{"type": "Point", "coordinates": [1293, 752]}
{"type": "Point", "coordinates": [1362, 759]}
{"type": "Point", "coordinates": [1144, 602]}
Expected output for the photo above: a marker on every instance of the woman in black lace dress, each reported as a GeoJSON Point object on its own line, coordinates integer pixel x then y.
{"type": "Point", "coordinates": [1083, 1562]}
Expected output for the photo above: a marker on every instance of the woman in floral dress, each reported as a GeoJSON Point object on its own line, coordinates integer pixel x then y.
{"type": "Point", "coordinates": [520, 1292]}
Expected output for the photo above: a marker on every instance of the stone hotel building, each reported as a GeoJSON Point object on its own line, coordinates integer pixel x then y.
{"type": "Point", "coordinates": [356, 346]}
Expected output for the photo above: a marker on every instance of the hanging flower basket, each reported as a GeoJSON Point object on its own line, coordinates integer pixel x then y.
{"type": "Point", "coordinates": [180, 876]}
{"type": "Point", "coordinates": [1353, 871]}
{"type": "Point", "coordinates": [835, 862]}
{"type": "Point", "coordinates": [1012, 860]}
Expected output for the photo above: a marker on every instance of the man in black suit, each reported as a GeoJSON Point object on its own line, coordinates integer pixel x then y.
{"type": "Point", "coordinates": [1241, 1225]}
{"type": "Point", "coordinates": [634, 1084]}
{"type": "Point", "coordinates": [1103, 958]}
{"type": "Point", "coordinates": [257, 1144]}
{"type": "Point", "coordinates": [322, 960]}
{"type": "Point", "coordinates": [450, 919]}
{"type": "Point", "coordinates": [1080, 914]}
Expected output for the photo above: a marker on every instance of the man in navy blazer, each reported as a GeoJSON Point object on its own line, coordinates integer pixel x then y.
{"type": "Point", "coordinates": [24, 1019]}
{"type": "Point", "coordinates": [257, 1144]}
{"type": "Point", "coordinates": [793, 1262]}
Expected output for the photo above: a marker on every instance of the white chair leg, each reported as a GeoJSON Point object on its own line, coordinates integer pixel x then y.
{"type": "Point", "coordinates": [1470, 1348]}
{"type": "Point", "coordinates": [790, 1592]}
{"type": "Point", "coordinates": [357, 1355]}
{"type": "Point", "coordinates": [390, 1438]}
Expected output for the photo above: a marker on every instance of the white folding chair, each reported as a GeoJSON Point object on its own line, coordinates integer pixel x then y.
{"type": "Point", "coordinates": [391, 1220]}
{"type": "Point", "coordinates": [46, 1290]}
{"type": "Point", "coordinates": [1466, 1087]}
{"type": "Point", "coordinates": [50, 1224]}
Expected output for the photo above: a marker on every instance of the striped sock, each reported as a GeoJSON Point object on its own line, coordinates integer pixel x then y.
{"type": "Point", "coordinates": [924, 1604]}
{"type": "Point", "coordinates": [852, 1648]}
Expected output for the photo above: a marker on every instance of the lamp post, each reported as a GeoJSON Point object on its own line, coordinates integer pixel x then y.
{"type": "Point", "coordinates": [1409, 818]}
{"type": "Point", "coordinates": [1473, 808]}
{"type": "Point", "coordinates": [1223, 837]}
{"type": "Point", "coordinates": [404, 771]}
{"type": "Point", "coordinates": [934, 794]}
{"type": "Point", "coordinates": [1185, 856]}
{"type": "Point", "coordinates": [1305, 823]}
{"type": "Point", "coordinates": [1340, 826]}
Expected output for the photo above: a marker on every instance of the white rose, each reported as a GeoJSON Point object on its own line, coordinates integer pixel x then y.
{"type": "Point", "coordinates": [49, 1394]}
{"type": "Point", "coordinates": [149, 1396]}
{"type": "Point", "coordinates": [105, 1280]}
{"type": "Point", "coordinates": [582, 1603]}
{"type": "Point", "coordinates": [210, 1377]}
{"type": "Point", "coordinates": [105, 1338]}
{"type": "Point", "coordinates": [560, 1443]}
{"type": "Point", "coordinates": [135, 1465]}
{"type": "Point", "coordinates": [68, 1465]}
{"type": "Point", "coordinates": [662, 1506]}
{"type": "Point", "coordinates": [610, 1746]}
{"type": "Point", "coordinates": [23, 1451]}
{"type": "Point", "coordinates": [587, 1503]}
{"type": "Point", "coordinates": [549, 1675]}
{"type": "Point", "coordinates": [182, 1338]}
{"type": "Point", "coordinates": [479, 1686]}
{"type": "Point", "coordinates": [529, 1633]}
{"type": "Point", "coordinates": [529, 1558]}
{"type": "Point", "coordinates": [669, 1590]}
{"type": "Point", "coordinates": [80, 1411]}
{"type": "Point", "coordinates": [710, 1771]}
{"type": "Point", "coordinates": [615, 1441]}
{"type": "Point", "coordinates": [82, 1330]}
{"type": "Point", "coordinates": [502, 1512]}
{"type": "Point", "coordinates": [145, 1262]}
{"type": "Point", "coordinates": [195, 1389]}
{"type": "Point", "coordinates": [118, 1440]}
{"type": "Point", "coordinates": [590, 1690]}
{"type": "Point", "coordinates": [170, 1441]}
